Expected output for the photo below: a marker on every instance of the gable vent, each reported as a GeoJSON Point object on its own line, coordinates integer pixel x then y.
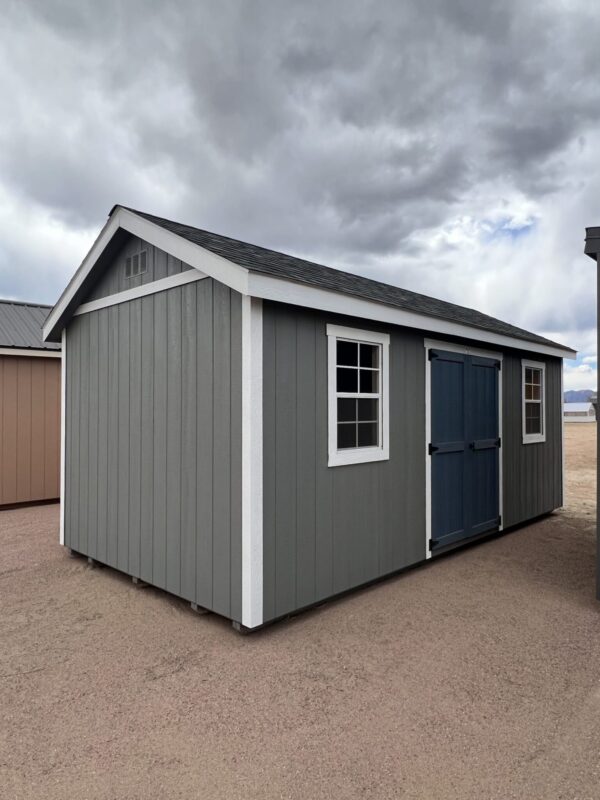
{"type": "Point", "coordinates": [135, 265]}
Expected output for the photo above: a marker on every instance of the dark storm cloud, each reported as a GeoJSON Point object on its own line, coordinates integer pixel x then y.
{"type": "Point", "coordinates": [335, 130]}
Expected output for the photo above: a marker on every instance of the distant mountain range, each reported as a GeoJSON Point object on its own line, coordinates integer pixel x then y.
{"type": "Point", "coordinates": [578, 395]}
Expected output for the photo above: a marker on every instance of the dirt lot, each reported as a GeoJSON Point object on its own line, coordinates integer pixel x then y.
{"type": "Point", "coordinates": [476, 676]}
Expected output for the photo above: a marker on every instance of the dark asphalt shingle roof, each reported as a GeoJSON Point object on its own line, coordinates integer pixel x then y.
{"type": "Point", "coordinates": [279, 265]}
{"type": "Point", "coordinates": [21, 325]}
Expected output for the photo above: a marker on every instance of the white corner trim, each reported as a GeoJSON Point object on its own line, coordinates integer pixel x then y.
{"type": "Point", "coordinates": [533, 438]}
{"type": "Point", "coordinates": [25, 351]}
{"type": "Point", "coordinates": [161, 285]}
{"type": "Point", "coordinates": [359, 455]}
{"type": "Point", "coordinates": [252, 462]}
{"type": "Point", "coordinates": [63, 432]}
{"type": "Point", "coordinates": [432, 344]}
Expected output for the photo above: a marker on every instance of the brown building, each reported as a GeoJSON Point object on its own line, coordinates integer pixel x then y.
{"type": "Point", "coordinates": [29, 407]}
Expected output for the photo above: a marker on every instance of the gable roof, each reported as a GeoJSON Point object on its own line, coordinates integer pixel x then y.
{"type": "Point", "coordinates": [280, 265]}
{"type": "Point", "coordinates": [21, 326]}
{"type": "Point", "coordinates": [273, 275]}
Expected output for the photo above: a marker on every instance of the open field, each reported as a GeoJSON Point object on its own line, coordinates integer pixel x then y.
{"type": "Point", "coordinates": [476, 676]}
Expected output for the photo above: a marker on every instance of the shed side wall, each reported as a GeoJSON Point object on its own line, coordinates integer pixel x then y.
{"type": "Point", "coordinates": [29, 429]}
{"type": "Point", "coordinates": [326, 529]}
{"type": "Point", "coordinates": [532, 472]}
{"type": "Point", "coordinates": [153, 449]}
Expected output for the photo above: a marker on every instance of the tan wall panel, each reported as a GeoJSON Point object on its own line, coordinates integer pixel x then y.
{"type": "Point", "coordinates": [29, 429]}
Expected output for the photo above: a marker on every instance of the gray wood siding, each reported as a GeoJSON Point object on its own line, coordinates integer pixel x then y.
{"type": "Point", "coordinates": [159, 265]}
{"type": "Point", "coordinates": [532, 472]}
{"type": "Point", "coordinates": [328, 529]}
{"type": "Point", "coordinates": [153, 480]}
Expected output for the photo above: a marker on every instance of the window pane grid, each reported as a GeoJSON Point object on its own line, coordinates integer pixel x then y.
{"type": "Point", "coordinates": [358, 394]}
{"type": "Point", "coordinates": [533, 401]}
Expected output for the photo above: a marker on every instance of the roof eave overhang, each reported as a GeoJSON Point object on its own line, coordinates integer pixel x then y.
{"type": "Point", "coordinates": [592, 242]}
{"type": "Point", "coordinates": [269, 288]}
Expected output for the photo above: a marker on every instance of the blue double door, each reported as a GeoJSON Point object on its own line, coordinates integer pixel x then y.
{"type": "Point", "coordinates": [465, 447]}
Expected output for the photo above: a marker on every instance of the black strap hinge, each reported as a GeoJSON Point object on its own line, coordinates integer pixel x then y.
{"type": "Point", "coordinates": [433, 448]}
{"type": "Point", "coordinates": [433, 354]}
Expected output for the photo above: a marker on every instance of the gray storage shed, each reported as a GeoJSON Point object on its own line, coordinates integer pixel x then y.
{"type": "Point", "coordinates": [256, 433]}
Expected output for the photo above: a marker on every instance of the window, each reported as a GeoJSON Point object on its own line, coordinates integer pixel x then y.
{"type": "Point", "coordinates": [534, 402]}
{"type": "Point", "coordinates": [358, 363]}
{"type": "Point", "coordinates": [135, 265]}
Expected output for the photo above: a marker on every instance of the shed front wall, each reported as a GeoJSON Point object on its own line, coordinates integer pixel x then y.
{"type": "Point", "coordinates": [329, 529]}
{"type": "Point", "coordinates": [29, 429]}
{"type": "Point", "coordinates": [153, 447]}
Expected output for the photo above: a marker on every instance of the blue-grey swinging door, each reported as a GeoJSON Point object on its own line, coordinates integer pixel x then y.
{"type": "Point", "coordinates": [464, 445]}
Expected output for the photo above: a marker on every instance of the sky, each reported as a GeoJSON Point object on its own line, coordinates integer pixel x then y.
{"type": "Point", "coordinates": [451, 148]}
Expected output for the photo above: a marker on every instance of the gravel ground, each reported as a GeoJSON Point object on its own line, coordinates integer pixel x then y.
{"type": "Point", "coordinates": [476, 676]}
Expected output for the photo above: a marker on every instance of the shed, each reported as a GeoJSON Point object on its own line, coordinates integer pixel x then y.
{"type": "Point", "coordinates": [256, 433]}
{"type": "Point", "coordinates": [29, 406]}
{"type": "Point", "coordinates": [579, 412]}
{"type": "Point", "coordinates": [592, 249]}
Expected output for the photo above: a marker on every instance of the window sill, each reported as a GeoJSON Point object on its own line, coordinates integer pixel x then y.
{"type": "Point", "coordinates": [361, 456]}
{"type": "Point", "coordinates": [534, 439]}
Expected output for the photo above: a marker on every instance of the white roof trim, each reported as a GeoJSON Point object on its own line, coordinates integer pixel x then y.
{"type": "Point", "coordinates": [30, 353]}
{"type": "Point", "coordinates": [281, 290]}
{"type": "Point", "coordinates": [314, 297]}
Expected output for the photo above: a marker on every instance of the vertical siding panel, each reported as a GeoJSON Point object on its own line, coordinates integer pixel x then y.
{"type": "Point", "coordinates": [174, 440]}
{"type": "Point", "coordinates": [53, 429]}
{"type": "Point", "coordinates": [147, 438]}
{"type": "Point", "coordinates": [325, 475]}
{"type": "Point", "coordinates": [269, 460]}
{"type": "Point", "coordinates": [73, 349]}
{"type": "Point", "coordinates": [306, 458]}
{"type": "Point", "coordinates": [38, 418]}
{"type": "Point", "coordinates": [135, 435]}
{"type": "Point", "coordinates": [188, 441]}
{"type": "Point", "coordinates": [92, 511]}
{"type": "Point", "coordinates": [159, 569]}
{"type": "Point", "coordinates": [23, 429]}
{"type": "Point", "coordinates": [236, 456]}
{"type": "Point", "coordinates": [204, 444]}
{"type": "Point", "coordinates": [84, 367]}
{"type": "Point", "coordinates": [123, 437]}
{"type": "Point", "coordinates": [113, 436]}
{"type": "Point", "coordinates": [2, 430]}
{"type": "Point", "coordinates": [103, 429]}
{"type": "Point", "coordinates": [9, 438]}
{"type": "Point", "coordinates": [160, 264]}
{"type": "Point", "coordinates": [285, 503]}
{"type": "Point", "coordinates": [222, 450]}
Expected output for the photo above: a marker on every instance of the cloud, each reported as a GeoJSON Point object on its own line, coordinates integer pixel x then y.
{"type": "Point", "coordinates": [450, 148]}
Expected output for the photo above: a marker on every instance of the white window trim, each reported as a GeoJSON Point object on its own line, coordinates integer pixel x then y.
{"type": "Point", "coordinates": [359, 455]}
{"type": "Point", "coordinates": [533, 438]}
